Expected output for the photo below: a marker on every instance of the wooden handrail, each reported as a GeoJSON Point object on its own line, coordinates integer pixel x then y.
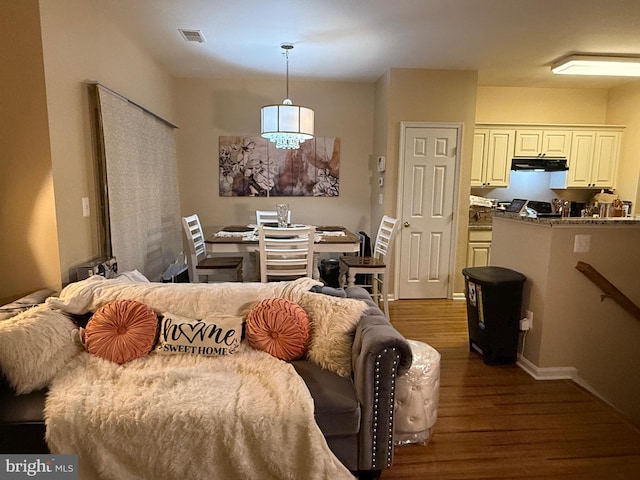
{"type": "Point", "coordinates": [608, 288]}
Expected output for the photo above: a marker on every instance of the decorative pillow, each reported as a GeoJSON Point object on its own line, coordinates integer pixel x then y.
{"type": "Point", "coordinates": [333, 325]}
{"type": "Point", "coordinates": [121, 331]}
{"type": "Point", "coordinates": [34, 346]}
{"type": "Point", "coordinates": [279, 327]}
{"type": "Point", "coordinates": [213, 335]}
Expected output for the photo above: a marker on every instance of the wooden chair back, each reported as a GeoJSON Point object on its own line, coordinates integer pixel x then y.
{"type": "Point", "coordinates": [286, 253]}
{"type": "Point", "coordinates": [269, 216]}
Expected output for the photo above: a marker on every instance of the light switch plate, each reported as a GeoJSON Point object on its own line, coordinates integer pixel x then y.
{"type": "Point", "coordinates": [86, 211]}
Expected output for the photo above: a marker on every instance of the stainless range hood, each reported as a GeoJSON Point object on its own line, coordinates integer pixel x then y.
{"type": "Point", "coordinates": [539, 164]}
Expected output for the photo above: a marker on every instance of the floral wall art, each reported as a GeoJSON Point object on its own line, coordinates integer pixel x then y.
{"type": "Point", "coordinates": [252, 166]}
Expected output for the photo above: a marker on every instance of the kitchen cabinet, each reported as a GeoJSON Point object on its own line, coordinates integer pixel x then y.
{"type": "Point", "coordinates": [542, 143]}
{"type": "Point", "coordinates": [478, 248]}
{"type": "Point", "coordinates": [491, 158]}
{"type": "Point", "coordinates": [592, 161]}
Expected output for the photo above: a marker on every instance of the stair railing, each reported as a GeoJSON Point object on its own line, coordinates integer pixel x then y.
{"type": "Point", "coordinates": [609, 289]}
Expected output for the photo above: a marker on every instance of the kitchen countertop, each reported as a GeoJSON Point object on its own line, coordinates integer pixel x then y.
{"type": "Point", "coordinates": [573, 221]}
{"type": "Point", "coordinates": [481, 226]}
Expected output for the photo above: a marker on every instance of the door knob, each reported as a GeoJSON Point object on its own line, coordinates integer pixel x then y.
{"type": "Point", "coordinates": [407, 224]}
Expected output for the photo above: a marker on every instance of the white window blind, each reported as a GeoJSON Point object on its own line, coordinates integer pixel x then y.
{"type": "Point", "coordinates": [142, 205]}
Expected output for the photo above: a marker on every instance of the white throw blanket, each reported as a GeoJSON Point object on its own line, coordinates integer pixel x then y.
{"type": "Point", "coordinates": [179, 417]}
{"type": "Point", "coordinates": [186, 417]}
{"type": "Point", "coordinates": [193, 300]}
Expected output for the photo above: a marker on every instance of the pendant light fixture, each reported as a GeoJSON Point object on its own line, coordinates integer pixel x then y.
{"type": "Point", "coordinates": [287, 125]}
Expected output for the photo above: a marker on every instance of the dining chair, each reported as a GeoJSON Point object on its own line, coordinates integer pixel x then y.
{"type": "Point", "coordinates": [269, 216]}
{"type": "Point", "coordinates": [200, 264]}
{"type": "Point", "coordinates": [375, 267]}
{"type": "Point", "coordinates": [286, 253]}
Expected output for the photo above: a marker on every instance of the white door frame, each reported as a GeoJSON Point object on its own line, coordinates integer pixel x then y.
{"type": "Point", "coordinates": [456, 189]}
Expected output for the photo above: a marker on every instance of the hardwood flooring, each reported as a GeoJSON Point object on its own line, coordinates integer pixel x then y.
{"type": "Point", "coordinates": [496, 422]}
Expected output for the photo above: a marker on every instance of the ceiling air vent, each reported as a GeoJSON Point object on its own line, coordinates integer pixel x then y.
{"type": "Point", "coordinates": [192, 35]}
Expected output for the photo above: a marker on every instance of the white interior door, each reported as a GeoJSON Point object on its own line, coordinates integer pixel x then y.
{"type": "Point", "coordinates": [427, 193]}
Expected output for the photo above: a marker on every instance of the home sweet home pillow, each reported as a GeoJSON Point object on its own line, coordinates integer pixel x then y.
{"type": "Point", "coordinates": [212, 335]}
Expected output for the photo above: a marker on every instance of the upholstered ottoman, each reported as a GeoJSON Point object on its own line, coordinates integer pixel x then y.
{"type": "Point", "coordinates": [417, 396]}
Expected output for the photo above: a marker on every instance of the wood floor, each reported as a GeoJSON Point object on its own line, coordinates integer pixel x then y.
{"type": "Point", "coordinates": [496, 422]}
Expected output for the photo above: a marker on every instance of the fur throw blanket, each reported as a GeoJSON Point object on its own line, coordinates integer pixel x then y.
{"type": "Point", "coordinates": [176, 417]}
{"type": "Point", "coordinates": [193, 300]}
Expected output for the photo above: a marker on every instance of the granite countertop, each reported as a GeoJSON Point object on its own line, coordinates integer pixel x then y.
{"type": "Point", "coordinates": [480, 226]}
{"type": "Point", "coordinates": [570, 220]}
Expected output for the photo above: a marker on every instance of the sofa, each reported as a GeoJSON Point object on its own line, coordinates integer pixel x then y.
{"type": "Point", "coordinates": [354, 413]}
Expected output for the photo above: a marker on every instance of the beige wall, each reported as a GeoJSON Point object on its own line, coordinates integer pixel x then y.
{"type": "Point", "coordinates": [80, 45]}
{"type": "Point", "coordinates": [541, 105]}
{"type": "Point", "coordinates": [209, 108]}
{"type": "Point", "coordinates": [624, 109]}
{"type": "Point", "coordinates": [572, 325]}
{"type": "Point", "coordinates": [381, 140]}
{"type": "Point", "coordinates": [432, 96]}
{"type": "Point", "coordinates": [28, 237]}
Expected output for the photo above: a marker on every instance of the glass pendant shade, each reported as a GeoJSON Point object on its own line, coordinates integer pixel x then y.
{"type": "Point", "coordinates": [287, 125]}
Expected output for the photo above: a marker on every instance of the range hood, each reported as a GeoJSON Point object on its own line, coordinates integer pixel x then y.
{"type": "Point", "coordinates": [539, 164]}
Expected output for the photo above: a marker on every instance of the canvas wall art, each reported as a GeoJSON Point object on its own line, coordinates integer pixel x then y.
{"type": "Point", "coordinates": [252, 166]}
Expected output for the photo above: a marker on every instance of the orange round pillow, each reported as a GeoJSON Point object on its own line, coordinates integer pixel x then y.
{"type": "Point", "coordinates": [279, 327]}
{"type": "Point", "coordinates": [121, 331]}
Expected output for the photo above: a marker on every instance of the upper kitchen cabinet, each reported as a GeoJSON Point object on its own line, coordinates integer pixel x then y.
{"type": "Point", "coordinates": [492, 154]}
{"type": "Point", "coordinates": [592, 162]}
{"type": "Point", "coordinates": [542, 143]}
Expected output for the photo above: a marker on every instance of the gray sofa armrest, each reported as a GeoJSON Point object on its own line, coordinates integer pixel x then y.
{"type": "Point", "coordinates": [379, 354]}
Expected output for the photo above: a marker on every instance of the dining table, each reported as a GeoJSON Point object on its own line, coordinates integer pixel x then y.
{"type": "Point", "coordinates": [244, 239]}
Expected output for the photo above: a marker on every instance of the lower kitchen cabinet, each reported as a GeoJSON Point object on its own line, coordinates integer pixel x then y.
{"type": "Point", "coordinates": [478, 248]}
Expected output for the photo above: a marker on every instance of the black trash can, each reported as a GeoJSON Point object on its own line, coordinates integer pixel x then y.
{"type": "Point", "coordinates": [330, 272]}
{"type": "Point", "coordinates": [494, 303]}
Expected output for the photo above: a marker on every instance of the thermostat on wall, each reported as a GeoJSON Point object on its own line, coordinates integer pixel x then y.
{"type": "Point", "coordinates": [381, 164]}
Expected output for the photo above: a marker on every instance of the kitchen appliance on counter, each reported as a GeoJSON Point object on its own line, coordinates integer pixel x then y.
{"type": "Point", "coordinates": [543, 209]}
{"type": "Point", "coordinates": [578, 209]}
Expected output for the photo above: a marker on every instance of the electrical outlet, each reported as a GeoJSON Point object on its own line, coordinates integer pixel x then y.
{"type": "Point", "coordinates": [527, 322]}
{"type": "Point", "coordinates": [380, 199]}
{"type": "Point", "coordinates": [581, 243]}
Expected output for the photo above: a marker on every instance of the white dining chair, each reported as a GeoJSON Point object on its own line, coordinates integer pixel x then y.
{"type": "Point", "coordinates": [286, 253]}
{"type": "Point", "coordinates": [201, 264]}
{"type": "Point", "coordinates": [376, 266]}
{"type": "Point", "coordinates": [269, 216]}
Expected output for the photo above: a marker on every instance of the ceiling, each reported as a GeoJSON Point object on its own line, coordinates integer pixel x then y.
{"type": "Point", "coordinates": [509, 42]}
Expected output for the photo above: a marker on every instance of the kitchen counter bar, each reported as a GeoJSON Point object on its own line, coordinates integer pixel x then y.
{"type": "Point", "coordinates": [576, 329]}
{"type": "Point", "coordinates": [571, 221]}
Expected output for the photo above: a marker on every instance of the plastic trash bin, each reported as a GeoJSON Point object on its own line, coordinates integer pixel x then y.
{"type": "Point", "coordinates": [494, 303]}
{"type": "Point", "coordinates": [330, 272]}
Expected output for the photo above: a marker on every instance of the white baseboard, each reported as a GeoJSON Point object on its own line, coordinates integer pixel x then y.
{"type": "Point", "coordinates": [459, 296]}
{"type": "Point", "coordinates": [547, 373]}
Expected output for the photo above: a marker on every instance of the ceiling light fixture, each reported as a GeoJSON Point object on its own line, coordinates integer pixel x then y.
{"type": "Point", "coordinates": [609, 65]}
{"type": "Point", "coordinates": [287, 125]}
